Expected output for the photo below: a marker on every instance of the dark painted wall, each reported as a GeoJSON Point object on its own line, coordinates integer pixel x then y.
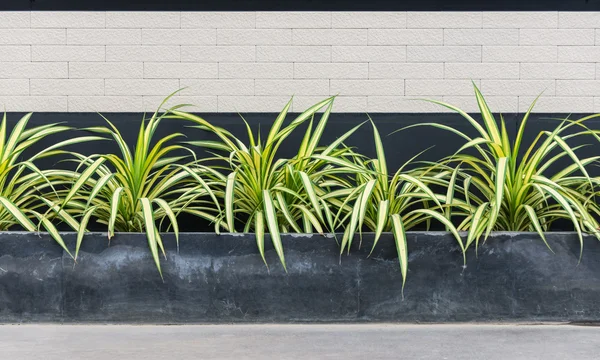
{"type": "Point", "coordinates": [400, 146]}
{"type": "Point", "coordinates": [323, 5]}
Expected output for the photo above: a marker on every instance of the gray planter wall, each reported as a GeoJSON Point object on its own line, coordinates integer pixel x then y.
{"type": "Point", "coordinates": [223, 279]}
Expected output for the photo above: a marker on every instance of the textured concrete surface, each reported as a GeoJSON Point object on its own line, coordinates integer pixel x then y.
{"type": "Point", "coordinates": [221, 279]}
{"type": "Point", "coordinates": [465, 342]}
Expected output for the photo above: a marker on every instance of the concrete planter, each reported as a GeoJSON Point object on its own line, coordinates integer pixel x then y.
{"type": "Point", "coordinates": [222, 279]}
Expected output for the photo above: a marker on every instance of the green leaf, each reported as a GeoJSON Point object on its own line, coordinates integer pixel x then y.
{"type": "Point", "coordinates": [114, 211]}
{"type": "Point", "coordinates": [501, 169]}
{"type": "Point", "coordinates": [82, 228]}
{"type": "Point", "coordinates": [536, 224]}
{"type": "Point", "coordinates": [19, 215]}
{"type": "Point", "coordinates": [167, 209]}
{"type": "Point", "coordinates": [83, 178]}
{"type": "Point", "coordinates": [400, 238]}
{"type": "Point", "coordinates": [382, 219]}
{"type": "Point", "coordinates": [308, 186]}
{"type": "Point", "coordinates": [150, 232]}
{"type": "Point", "coordinates": [273, 226]}
{"type": "Point", "coordinates": [229, 191]}
{"type": "Point", "coordinates": [259, 229]}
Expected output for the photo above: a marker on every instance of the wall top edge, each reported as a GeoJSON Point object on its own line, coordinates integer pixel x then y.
{"type": "Point", "coordinates": [300, 5]}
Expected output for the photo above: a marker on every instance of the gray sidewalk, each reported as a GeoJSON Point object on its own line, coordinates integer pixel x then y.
{"type": "Point", "coordinates": [464, 342]}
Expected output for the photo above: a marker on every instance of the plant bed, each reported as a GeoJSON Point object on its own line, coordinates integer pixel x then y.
{"type": "Point", "coordinates": [221, 279]}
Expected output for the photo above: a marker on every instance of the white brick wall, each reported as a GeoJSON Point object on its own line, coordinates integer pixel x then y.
{"type": "Point", "coordinates": [255, 61]}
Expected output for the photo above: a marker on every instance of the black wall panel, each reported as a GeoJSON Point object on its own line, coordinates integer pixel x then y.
{"type": "Point", "coordinates": [15, 5]}
{"type": "Point", "coordinates": [300, 5]}
{"type": "Point", "coordinates": [400, 146]}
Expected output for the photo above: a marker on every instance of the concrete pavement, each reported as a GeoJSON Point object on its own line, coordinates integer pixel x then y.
{"type": "Point", "coordinates": [464, 342]}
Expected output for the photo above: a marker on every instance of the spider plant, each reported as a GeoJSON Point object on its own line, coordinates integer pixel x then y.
{"type": "Point", "coordinates": [384, 202]}
{"type": "Point", "coordinates": [508, 191]}
{"type": "Point", "coordinates": [263, 193]}
{"type": "Point", "coordinates": [131, 191]}
{"type": "Point", "coordinates": [27, 193]}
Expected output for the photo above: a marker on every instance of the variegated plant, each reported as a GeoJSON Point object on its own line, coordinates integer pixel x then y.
{"type": "Point", "coordinates": [382, 202]}
{"type": "Point", "coordinates": [27, 193]}
{"type": "Point", "coordinates": [261, 192]}
{"type": "Point", "coordinates": [131, 191]}
{"type": "Point", "coordinates": [513, 192]}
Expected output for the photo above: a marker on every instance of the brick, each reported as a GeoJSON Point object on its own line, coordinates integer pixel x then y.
{"type": "Point", "coordinates": [577, 87]}
{"type": "Point", "coordinates": [143, 20]}
{"type": "Point", "coordinates": [368, 53]}
{"type": "Point", "coordinates": [597, 105]}
{"type": "Point", "coordinates": [252, 103]}
{"type": "Point", "coordinates": [481, 71]}
{"type": "Point", "coordinates": [15, 53]}
{"type": "Point", "coordinates": [67, 19]}
{"type": "Point", "coordinates": [557, 71]}
{"type": "Point", "coordinates": [596, 35]}
{"type": "Point", "coordinates": [38, 70]}
{"type": "Point", "coordinates": [103, 70]}
{"type": "Point", "coordinates": [104, 36]}
{"type": "Point", "coordinates": [67, 86]}
{"type": "Point", "coordinates": [15, 19]}
{"type": "Point", "coordinates": [142, 53]}
{"type": "Point", "coordinates": [520, 19]}
{"type": "Point", "coordinates": [556, 37]}
{"type": "Point", "coordinates": [443, 54]}
{"type": "Point", "coordinates": [105, 104]}
{"type": "Point", "coordinates": [367, 87]}
{"type": "Point", "coordinates": [67, 53]}
{"type": "Point", "coordinates": [161, 87]}
{"type": "Point", "coordinates": [438, 87]}
{"type": "Point", "coordinates": [341, 104]}
{"type": "Point", "coordinates": [179, 36]}
{"type": "Point", "coordinates": [295, 20]}
{"type": "Point", "coordinates": [404, 104]}
{"type": "Point", "coordinates": [406, 36]}
{"type": "Point", "coordinates": [439, 19]}
{"type": "Point", "coordinates": [406, 70]}
{"type": "Point", "coordinates": [481, 36]}
{"type": "Point", "coordinates": [200, 103]}
{"type": "Point", "coordinates": [218, 20]}
{"type": "Point", "coordinates": [369, 58]}
{"type": "Point", "coordinates": [517, 87]}
{"type": "Point", "coordinates": [217, 87]}
{"type": "Point", "coordinates": [329, 36]}
{"type": "Point", "coordinates": [161, 70]}
{"type": "Point", "coordinates": [218, 53]}
{"type": "Point", "coordinates": [32, 36]}
{"type": "Point", "coordinates": [331, 70]}
{"type": "Point", "coordinates": [34, 103]}
{"type": "Point", "coordinates": [502, 104]}
{"type": "Point", "coordinates": [14, 87]}
{"type": "Point", "coordinates": [366, 20]}
{"type": "Point", "coordinates": [574, 54]}
{"type": "Point", "coordinates": [558, 104]}
{"type": "Point", "coordinates": [293, 53]}
{"type": "Point", "coordinates": [254, 37]}
{"type": "Point", "coordinates": [256, 70]}
{"type": "Point", "coordinates": [291, 87]}
{"type": "Point", "coordinates": [579, 20]}
{"type": "Point", "coordinates": [519, 53]}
